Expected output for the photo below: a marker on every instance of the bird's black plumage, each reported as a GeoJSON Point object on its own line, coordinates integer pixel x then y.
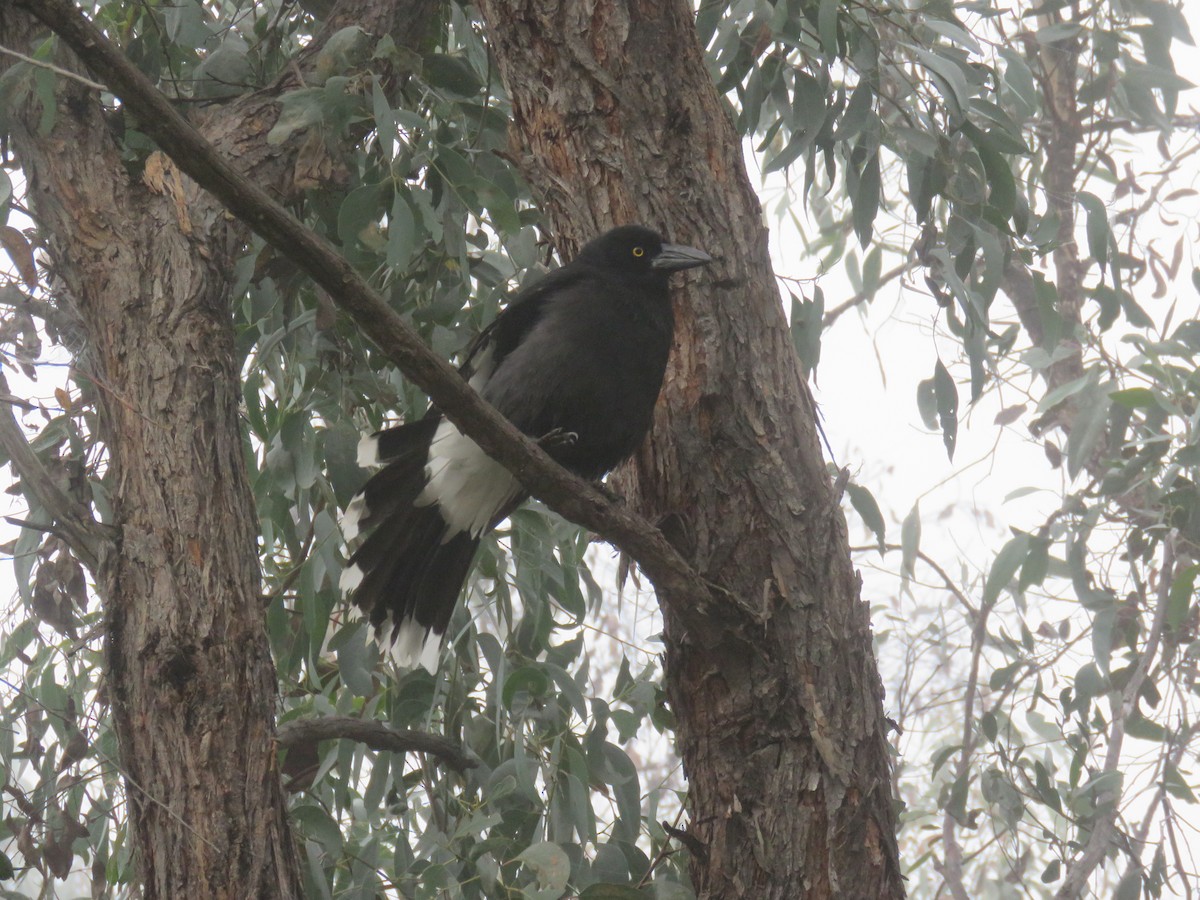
{"type": "Point", "coordinates": [579, 354]}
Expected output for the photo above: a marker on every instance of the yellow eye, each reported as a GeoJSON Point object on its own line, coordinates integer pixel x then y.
{"type": "Point", "coordinates": [639, 252]}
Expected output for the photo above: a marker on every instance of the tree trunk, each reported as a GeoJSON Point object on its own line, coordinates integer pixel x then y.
{"type": "Point", "coordinates": [190, 676]}
{"type": "Point", "coordinates": [776, 692]}
{"type": "Point", "coordinates": [145, 259]}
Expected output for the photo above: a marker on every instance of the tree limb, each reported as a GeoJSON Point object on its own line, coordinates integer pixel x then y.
{"type": "Point", "coordinates": [562, 491]}
{"type": "Point", "coordinates": [375, 735]}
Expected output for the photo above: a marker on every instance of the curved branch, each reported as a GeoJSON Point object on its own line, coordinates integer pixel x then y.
{"type": "Point", "coordinates": [375, 735]}
{"type": "Point", "coordinates": [562, 491]}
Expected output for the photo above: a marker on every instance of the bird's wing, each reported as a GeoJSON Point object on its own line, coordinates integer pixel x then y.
{"type": "Point", "coordinates": [513, 323]}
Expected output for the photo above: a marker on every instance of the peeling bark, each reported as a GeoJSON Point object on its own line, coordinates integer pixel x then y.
{"type": "Point", "coordinates": [145, 258]}
{"type": "Point", "coordinates": [776, 692]}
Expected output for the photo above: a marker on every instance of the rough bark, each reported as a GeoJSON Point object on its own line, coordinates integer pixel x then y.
{"type": "Point", "coordinates": [776, 692]}
{"type": "Point", "coordinates": [190, 676]}
{"type": "Point", "coordinates": [144, 257]}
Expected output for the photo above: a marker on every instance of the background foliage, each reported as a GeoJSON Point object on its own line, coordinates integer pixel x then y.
{"type": "Point", "coordinates": [1014, 178]}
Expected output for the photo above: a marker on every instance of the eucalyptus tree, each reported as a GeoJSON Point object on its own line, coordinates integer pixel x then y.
{"type": "Point", "coordinates": [237, 294]}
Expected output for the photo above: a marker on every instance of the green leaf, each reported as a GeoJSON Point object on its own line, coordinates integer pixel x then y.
{"type": "Point", "coordinates": [1175, 784]}
{"type": "Point", "coordinates": [550, 864]}
{"type": "Point", "coordinates": [402, 233]}
{"type": "Point", "coordinates": [946, 397]}
{"type": "Point", "coordinates": [800, 141]}
{"type": "Point", "coordinates": [1102, 635]}
{"type": "Point", "coordinates": [532, 680]}
{"type": "Point", "coordinates": [1179, 600]}
{"type": "Point", "coordinates": [314, 822]}
{"type": "Point", "coordinates": [226, 71]}
{"type": "Point", "coordinates": [1052, 872]}
{"type": "Point", "coordinates": [1133, 398]}
{"type": "Point", "coordinates": [1099, 236]}
{"type": "Point", "coordinates": [1059, 31]}
{"type": "Point", "coordinates": [342, 51]}
{"type": "Point", "coordinates": [865, 202]}
{"type": "Point", "coordinates": [353, 657]}
{"type": "Point", "coordinates": [360, 209]}
{"type": "Point", "coordinates": [927, 403]}
{"type": "Point", "coordinates": [864, 504]}
{"type": "Point", "coordinates": [1036, 565]}
{"type": "Point", "coordinates": [1003, 675]}
{"type": "Point", "coordinates": [827, 27]}
{"type": "Point", "coordinates": [1091, 416]}
{"type": "Point", "coordinates": [950, 77]}
{"type": "Point", "coordinates": [989, 726]}
{"type": "Point", "coordinates": [910, 540]}
{"type": "Point", "coordinates": [1005, 566]}
{"type": "Point", "coordinates": [807, 324]}
{"type": "Point", "coordinates": [858, 112]}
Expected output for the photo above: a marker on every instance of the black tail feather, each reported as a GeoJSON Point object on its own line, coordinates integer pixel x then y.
{"type": "Point", "coordinates": [411, 569]}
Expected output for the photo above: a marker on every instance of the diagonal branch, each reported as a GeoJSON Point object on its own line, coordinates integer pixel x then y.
{"type": "Point", "coordinates": [562, 491]}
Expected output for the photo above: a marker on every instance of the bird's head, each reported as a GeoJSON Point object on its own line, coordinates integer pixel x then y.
{"type": "Point", "coordinates": [637, 249]}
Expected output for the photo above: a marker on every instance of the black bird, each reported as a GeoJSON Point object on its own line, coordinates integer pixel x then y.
{"type": "Point", "coordinates": [577, 359]}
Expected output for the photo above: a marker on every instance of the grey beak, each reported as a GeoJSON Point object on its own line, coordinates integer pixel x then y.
{"type": "Point", "coordinates": [674, 257]}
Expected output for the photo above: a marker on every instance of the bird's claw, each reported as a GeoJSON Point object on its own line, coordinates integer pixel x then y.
{"type": "Point", "coordinates": [558, 438]}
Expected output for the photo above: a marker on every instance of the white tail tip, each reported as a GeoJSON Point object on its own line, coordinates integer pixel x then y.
{"type": "Point", "coordinates": [368, 451]}
{"type": "Point", "coordinates": [354, 514]}
{"type": "Point", "coordinates": [413, 645]}
{"type": "Point", "coordinates": [352, 577]}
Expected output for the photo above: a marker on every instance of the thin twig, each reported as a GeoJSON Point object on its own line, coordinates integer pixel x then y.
{"type": "Point", "coordinates": [952, 872]}
{"type": "Point", "coordinates": [1106, 803]}
{"type": "Point", "coordinates": [41, 63]}
{"type": "Point", "coordinates": [862, 296]}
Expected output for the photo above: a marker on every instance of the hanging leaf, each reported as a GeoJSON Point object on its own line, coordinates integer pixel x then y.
{"type": "Point", "coordinates": [864, 504]}
{"type": "Point", "coordinates": [1099, 236]}
{"type": "Point", "coordinates": [946, 398]}
{"type": "Point", "coordinates": [865, 202]}
{"type": "Point", "coordinates": [1004, 567]}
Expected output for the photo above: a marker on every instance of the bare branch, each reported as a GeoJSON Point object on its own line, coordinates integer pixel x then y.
{"type": "Point", "coordinates": [375, 735]}
{"type": "Point", "coordinates": [562, 491]}
{"type": "Point", "coordinates": [57, 70]}
{"type": "Point", "coordinates": [861, 297]}
{"type": "Point", "coordinates": [952, 871]}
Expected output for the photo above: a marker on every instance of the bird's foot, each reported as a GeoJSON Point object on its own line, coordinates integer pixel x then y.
{"type": "Point", "coordinates": [557, 439]}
